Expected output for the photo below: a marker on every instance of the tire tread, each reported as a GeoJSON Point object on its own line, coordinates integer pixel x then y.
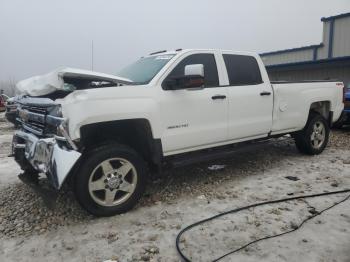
{"type": "Point", "coordinates": [302, 137]}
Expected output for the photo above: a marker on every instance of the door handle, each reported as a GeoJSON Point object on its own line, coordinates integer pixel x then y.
{"type": "Point", "coordinates": [218, 97]}
{"type": "Point", "coordinates": [265, 93]}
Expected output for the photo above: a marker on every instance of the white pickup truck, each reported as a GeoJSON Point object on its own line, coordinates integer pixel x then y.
{"type": "Point", "coordinates": [104, 132]}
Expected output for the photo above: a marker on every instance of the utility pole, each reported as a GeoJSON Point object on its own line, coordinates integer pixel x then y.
{"type": "Point", "coordinates": [92, 55]}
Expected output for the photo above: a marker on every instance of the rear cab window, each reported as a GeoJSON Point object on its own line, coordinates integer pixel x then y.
{"type": "Point", "coordinates": [211, 77]}
{"type": "Point", "coordinates": [242, 70]}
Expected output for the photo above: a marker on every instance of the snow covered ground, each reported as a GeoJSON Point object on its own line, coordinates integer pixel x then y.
{"type": "Point", "coordinates": [29, 231]}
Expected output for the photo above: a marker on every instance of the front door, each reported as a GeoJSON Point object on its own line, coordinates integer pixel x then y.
{"type": "Point", "coordinates": [194, 117]}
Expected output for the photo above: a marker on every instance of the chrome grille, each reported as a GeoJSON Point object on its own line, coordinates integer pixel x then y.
{"type": "Point", "coordinates": [35, 109]}
{"type": "Point", "coordinates": [33, 118]}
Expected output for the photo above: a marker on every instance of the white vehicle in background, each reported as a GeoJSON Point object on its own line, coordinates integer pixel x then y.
{"type": "Point", "coordinates": [104, 132]}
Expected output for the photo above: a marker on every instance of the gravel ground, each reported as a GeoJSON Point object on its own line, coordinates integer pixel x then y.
{"type": "Point", "coordinates": [30, 230]}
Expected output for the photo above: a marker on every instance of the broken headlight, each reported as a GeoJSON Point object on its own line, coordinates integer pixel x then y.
{"type": "Point", "coordinates": [54, 119]}
{"type": "Point", "coordinates": [55, 111]}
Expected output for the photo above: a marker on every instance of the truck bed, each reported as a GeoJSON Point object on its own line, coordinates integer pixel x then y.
{"type": "Point", "coordinates": [293, 100]}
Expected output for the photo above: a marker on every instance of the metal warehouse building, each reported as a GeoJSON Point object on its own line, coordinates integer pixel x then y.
{"type": "Point", "coordinates": [328, 60]}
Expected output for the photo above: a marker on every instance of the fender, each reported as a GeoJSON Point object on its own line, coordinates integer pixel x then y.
{"type": "Point", "coordinates": [84, 107]}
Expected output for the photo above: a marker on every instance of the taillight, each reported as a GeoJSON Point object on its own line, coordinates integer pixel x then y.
{"type": "Point", "coordinates": [341, 85]}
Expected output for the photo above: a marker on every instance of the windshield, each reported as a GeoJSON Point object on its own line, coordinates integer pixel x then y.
{"type": "Point", "coordinates": [143, 70]}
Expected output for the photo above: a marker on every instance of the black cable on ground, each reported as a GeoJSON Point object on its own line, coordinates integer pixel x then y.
{"type": "Point", "coordinates": [236, 210]}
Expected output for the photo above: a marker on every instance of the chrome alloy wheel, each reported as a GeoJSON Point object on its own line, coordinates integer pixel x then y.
{"type": "Point", "coordinates": [318, 135]}
{"type": "Point", "coordinates": [112, 182]}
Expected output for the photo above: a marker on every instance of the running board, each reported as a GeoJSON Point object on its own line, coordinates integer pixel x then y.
{"type": "Point", "coordinates": [214, 154]}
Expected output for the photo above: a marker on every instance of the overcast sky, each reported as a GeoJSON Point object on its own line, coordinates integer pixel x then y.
{"type": "Point", "coordinates": [38, 36]}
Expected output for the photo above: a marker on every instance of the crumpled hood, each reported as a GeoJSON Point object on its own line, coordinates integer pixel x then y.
{"type": "Point", "coordinates": [53, 81]}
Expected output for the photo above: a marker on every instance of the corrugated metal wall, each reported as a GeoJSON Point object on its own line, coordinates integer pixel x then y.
{"type": "Point", "coordinates": [341, 45]}
{"type": "Point", "coordinates": [288, 57]}
{"type": "Point", "coordinates": [326, 73]}
{"type": "Point", "coordinates": [322, 52]}
{"type": "Point", "coordinates": [284, 68]}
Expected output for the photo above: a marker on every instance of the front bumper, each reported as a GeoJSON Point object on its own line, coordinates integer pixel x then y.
{"type": "Point", "coordinates": [45, 155]}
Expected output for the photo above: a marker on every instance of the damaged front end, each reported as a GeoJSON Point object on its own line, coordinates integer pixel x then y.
{"type": "Point", "coordinates": [42, 143]}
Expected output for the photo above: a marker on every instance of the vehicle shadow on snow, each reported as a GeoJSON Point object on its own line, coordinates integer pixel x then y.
{"type": "Point", "coordinates": [24, 212]}
{"type": "Point", "coordinates": [199, 179]}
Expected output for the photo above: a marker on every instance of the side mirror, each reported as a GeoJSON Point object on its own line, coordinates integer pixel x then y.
{"type": "Point", "coordinates": [193, 78]}
{"type": "Point", "coordinates": [194, 70]}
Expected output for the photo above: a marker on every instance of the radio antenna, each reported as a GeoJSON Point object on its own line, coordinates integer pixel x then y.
{"type": "Point", "coordinates": [92, 55]}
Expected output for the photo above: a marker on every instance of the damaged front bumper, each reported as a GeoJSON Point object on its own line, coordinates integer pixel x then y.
{"type": "Point", "coordinates": [45, 155]}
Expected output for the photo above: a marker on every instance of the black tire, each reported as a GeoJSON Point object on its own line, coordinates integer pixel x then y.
{"type": "Point", "coordinates": [303, 139]}
{"type": "Point", "coordinates": [90, 164]}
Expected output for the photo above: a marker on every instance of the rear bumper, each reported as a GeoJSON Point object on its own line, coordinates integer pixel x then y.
{"type": "Point", "coordinates": [45, 155]}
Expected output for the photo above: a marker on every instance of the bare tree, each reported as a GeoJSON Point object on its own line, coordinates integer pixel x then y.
{"type": "Point", "coordinates": [8, 86]}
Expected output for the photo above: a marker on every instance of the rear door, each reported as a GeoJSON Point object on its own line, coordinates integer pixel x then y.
{"type": "Point", "coordinates": [250, 99]}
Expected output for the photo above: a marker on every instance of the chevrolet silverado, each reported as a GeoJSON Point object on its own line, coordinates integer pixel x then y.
{"type": "Point", "coordinates": [105, 133]}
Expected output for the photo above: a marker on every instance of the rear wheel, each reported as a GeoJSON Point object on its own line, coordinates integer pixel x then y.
{"type": "Point", "coordinates": [313, 139]}
{"type": "Point", "coordinates": [111, 180]}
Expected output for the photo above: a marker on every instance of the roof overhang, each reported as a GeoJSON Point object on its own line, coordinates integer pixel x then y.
{"type": "Point", "coordinates": [325, 19]}
{"type": "Point", "coordinates": [336, 61]}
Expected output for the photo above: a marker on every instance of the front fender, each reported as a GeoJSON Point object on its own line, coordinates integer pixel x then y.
{"type": "Point", "coordinates": [85, 107]}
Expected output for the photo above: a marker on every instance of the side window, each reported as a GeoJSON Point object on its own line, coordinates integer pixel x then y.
{"type": "Point", "coordinates": [211, 78]}
{"type": "Point", "coordinates": [242, 70]}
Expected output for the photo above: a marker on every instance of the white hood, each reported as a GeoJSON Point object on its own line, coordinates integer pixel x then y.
{"type": "Point", "coordinates": [46, 84]}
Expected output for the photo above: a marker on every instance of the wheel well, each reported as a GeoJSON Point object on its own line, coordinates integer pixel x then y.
{"type": "Point", "coordinates": [322, 108]}
{"type": "Point", "coordinates": [136, 133]}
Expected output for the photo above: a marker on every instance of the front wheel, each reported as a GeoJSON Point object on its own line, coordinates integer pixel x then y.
{"type": "Point", "coordinates": [313, 139]}
{"type": "Point", "coordinates": [110, 180]}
